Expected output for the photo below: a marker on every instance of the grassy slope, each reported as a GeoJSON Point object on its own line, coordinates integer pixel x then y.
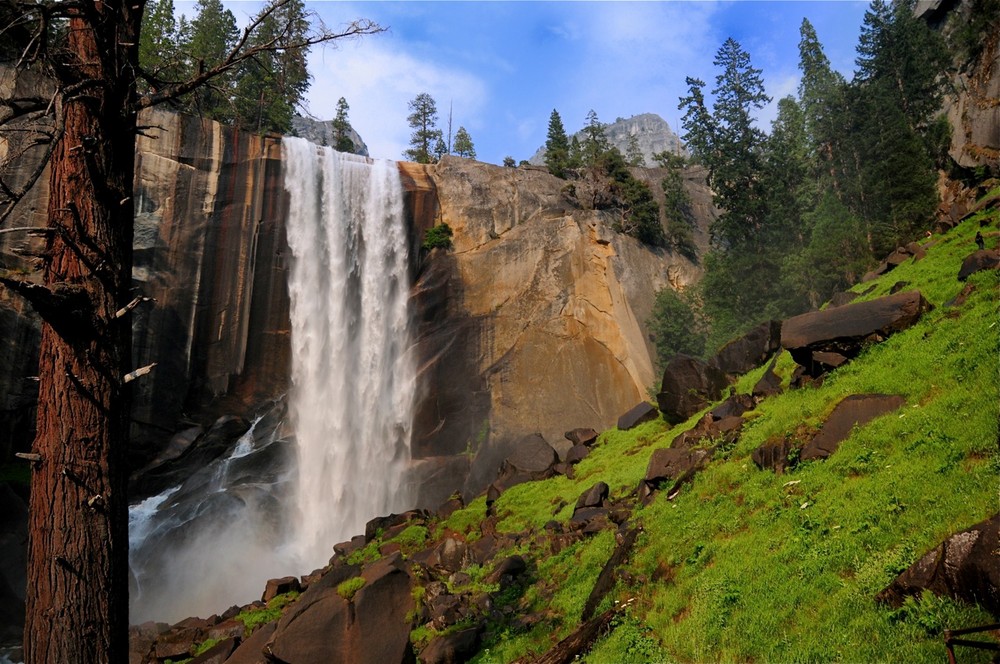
{"type": "Point", "coordinates": [745, 565]}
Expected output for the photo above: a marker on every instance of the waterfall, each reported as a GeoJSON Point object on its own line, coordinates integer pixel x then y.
{"type": "Point", "coordinates": [352, 377]}
{"type": "Point", "coordinates": [274, 504]}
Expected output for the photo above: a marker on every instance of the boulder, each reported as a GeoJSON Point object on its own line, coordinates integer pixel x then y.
{"type": "Point", "coordinates": [582, 436]}
{"type": "Point", "coordinates": [251, 651]}
{"type": "Point", "coordinates": [689, 385]}
{"type": "Point", "coordinates": [966, 566]}
{"type": "Point", "coordinates": [898, 286]}
{"type": "Point", "coordinates": [641, 412]}
{"type": "Point", "coordinates": [219, 653]}
{"type": "Point", "coordinates": [275, 587]}
{"type": "Point", "coordinates": [593, 497]}
{"type": "Point", "coordinates": [454, 648]}
{"type": "Point", "coordinates": [844, 330]}
{"type": "Point", "coordinates": [749, 351]}
{"type": "Point", "coordinates": [532, 459]}
{"type": "Point", "coordinates": [671, 463]}
{"type": "Point", "coordinates": [984, 259]}
{"type": "Point", "coordinates": [371, 628]}
{"type": "Point", "coordinates": [855, 410]}
{"type": "Point", "coordinates": [450, 554]}
{"type": "Point", "coordinates": [507, 570]}
{"type": "Point", "coordinates": [962, 296]}
{"type": "Point", "coordinates": [768, 385]}
{"type": "Point", "coordinates": [577, 453]}
{"type": "Point", "coordinates": [735, 405]}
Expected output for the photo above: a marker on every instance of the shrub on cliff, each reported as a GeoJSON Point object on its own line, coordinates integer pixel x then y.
{"type": "Point", "coordinates": [438, 237]}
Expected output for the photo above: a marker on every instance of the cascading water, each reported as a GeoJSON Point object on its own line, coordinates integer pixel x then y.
{"type": "Point", "coordinates": [269, 505]}
{"type": "Point", "coordinates": [352, 377]}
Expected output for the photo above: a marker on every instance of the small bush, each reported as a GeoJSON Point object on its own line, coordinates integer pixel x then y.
{"type": "Point", "coordinates": [438, 237]}
{"type": "Point", "coordinates": [349, 588]}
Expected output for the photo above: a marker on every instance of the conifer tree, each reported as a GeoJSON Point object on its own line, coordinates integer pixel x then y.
{"type": "Point", "coordinates": [342, 141]}
{"type": "Point", "coordinates": [463, 144]}
{"type": "Point", "coordinates": [213, 35]}
{"type": "Point", "coordinates": [556, 147]}
{"type": "Point", "coordinates": [595, 141]}
{"type": "Point", "coordinates": [271, 87]}
{"type": "Point", "coordinates": [633, 155]}
{"type": "Point", "coordinates": [425, 135]}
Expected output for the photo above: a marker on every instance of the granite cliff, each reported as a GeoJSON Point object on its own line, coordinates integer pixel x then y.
{"type": "Point", "coordinates": [534, 319]}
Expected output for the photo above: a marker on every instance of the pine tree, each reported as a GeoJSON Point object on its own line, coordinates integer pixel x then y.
{"type": "Point", "coordinates": [213, 35]}
{"type": "Point", "coordinates": [556, 147]}
{"type": "Point", "coordinates": [423, 121]}
{"type": "Point", "coordinates": [342, 141]}
{"type": "Point", "coordinates": [159, 45]}
{"type": "Point", "coordinates": [271, 87]}
{"type": "Point", "coordinates": [633, 155]}
{"type": "Point", "coordinates": [463, 144]}
{"type": "Point", "coordinates": [595, 141]}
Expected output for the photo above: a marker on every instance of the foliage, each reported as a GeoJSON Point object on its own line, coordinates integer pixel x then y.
{"type": "Point", "coordinates": [677, 206]}
{"type": "Point", "coordinates": [213, 34]}
{"type": "Point", "coordinates": [595, 146]}
{"type": "Point", "coordinates": [254, 618]}
{"type": "Point", "coordinates": [508, 162]}
{"type": "Point", "coordinates": [425, 136]}
{"type": "Point", "coordinates": [347, 589]}
{"type": "Point", "coordinates": [366, 554]}
{"type": "Point", "coordinates": [270, 87]}
{"type": "Point", "coordinates": [639, 215]}
{"type": "Point", "coordinates": [342, 141]}
{"type": "Point", "coordinates": [437, 237]}
{"type": "Point", "coordinates": [412, 539]}
{"type": "Point", "coordinates": [463, 144]}
{"type": "Point", "coordinates": [674, 327]}
{"type": "Point", "coordinates": [556, 147]}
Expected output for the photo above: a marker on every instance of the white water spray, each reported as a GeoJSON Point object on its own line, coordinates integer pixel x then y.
{"type": "Point", "coordinates": [352, 378]}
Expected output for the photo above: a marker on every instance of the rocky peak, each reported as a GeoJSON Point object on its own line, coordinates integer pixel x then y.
{"type": "Point", "coordinates": [321, 132]}
{"type": "Point", "coordinates": [652, 133]}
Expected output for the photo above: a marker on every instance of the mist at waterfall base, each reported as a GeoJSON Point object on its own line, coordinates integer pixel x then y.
{"type": "Point", "coordinates": [314, 467]}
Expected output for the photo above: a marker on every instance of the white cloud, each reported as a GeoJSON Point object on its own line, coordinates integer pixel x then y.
{"type": "Point", "coordinates": [378, 82]}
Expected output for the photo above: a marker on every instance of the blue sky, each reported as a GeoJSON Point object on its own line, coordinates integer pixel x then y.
{"type": "Point", "coordinates": [503, 66]}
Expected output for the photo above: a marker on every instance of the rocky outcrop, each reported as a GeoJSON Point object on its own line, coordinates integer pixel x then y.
{"type": "Point", "coordinates": [652, 134]}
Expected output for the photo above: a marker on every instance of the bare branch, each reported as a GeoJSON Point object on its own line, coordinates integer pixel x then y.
{"type": "Point", "coordinates": [141, 371]}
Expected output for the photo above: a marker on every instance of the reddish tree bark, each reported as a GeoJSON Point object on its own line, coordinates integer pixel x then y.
{"type": "Point", "coordinates": [77, 610]}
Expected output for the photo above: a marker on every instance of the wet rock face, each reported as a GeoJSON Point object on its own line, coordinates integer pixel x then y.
{"type": "Point", "coordinates": [965, 566]}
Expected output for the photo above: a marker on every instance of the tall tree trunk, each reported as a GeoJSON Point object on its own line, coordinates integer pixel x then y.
{"type": "Point", "coordinates": [77, 603]}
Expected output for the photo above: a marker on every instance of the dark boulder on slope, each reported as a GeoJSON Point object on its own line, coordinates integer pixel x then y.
{"type": "Point", "coordinates": [966, 566]}
{"type": "Point", "coordinates": [370, 629]}
{"type": "Point", "coordinates": [855, 410]}
{"type": "Point", "coordinates": [842, 332]}
{"type": "Point", "coordinates": [984, 259]}
{"type": "Point", "coordinates": [689, 384]}
{"type": "Point", "coordinates": [749, 351]}
{"type": "Point", "coordinates": [641, 412]}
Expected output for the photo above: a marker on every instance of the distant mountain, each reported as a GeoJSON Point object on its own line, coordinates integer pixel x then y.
{"type": "Point", "coordinates": [652, 132]}
{"type": "Point", "coordinates": [320, 132]}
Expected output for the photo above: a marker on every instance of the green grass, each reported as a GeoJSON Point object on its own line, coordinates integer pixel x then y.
{"type": "Point", "coordinates": [746, 565]}
{"type": "Point", "coordinates": [254, 618]}
{"type": "Point", "coordinates": [348, 589]}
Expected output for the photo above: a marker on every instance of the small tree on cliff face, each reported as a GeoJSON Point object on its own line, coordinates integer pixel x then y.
{"type": "Point", "coordinates": [77, 580]}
